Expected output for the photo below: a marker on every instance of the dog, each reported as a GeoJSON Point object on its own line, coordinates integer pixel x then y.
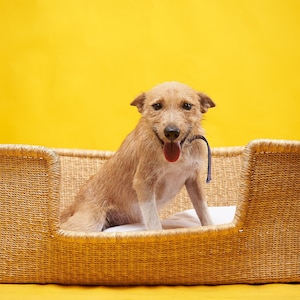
{"type": "Point", "coordinates": [151, 166]}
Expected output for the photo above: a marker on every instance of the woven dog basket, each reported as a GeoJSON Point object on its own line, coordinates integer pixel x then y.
{"type": "Point", "coordinates": [261, 245]}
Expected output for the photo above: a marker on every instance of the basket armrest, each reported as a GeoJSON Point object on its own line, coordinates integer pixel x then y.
{"type": "Point", "coordinates": [29, 189]}
{"type": "Point", "coordinates": [270, 186]}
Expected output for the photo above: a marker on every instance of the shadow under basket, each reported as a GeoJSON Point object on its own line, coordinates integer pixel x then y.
{"type": "Point", "coordinates": [261, 245]}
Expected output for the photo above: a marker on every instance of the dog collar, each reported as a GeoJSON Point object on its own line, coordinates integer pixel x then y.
{"type": "Point", "coordinates": [208, 178]}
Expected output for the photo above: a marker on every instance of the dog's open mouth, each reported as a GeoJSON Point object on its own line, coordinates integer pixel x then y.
{"type": "Point", "coordinates": [172, 151]}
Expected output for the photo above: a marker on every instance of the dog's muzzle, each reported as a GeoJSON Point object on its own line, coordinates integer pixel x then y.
{"type": "Point", "coordinates": [172, 134]}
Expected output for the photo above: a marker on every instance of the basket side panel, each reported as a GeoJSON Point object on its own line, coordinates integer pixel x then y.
{"type": "Point", "coordinates": [76, 168]}
{"type": "Point", "coordinates": [223, 190]}
{"type": "Point", "coordinates": [271, 204]}
{"type": "Point", "coordinates": [27, 205]}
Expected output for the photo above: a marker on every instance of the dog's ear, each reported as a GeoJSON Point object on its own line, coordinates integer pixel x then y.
{"type": "Point", "coordinates": [139, 102]}
{"type": "Point", "coordinates": [205, 102]}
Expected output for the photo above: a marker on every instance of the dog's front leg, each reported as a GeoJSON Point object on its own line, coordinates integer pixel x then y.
{"type": "Point", "coordinates": [150, 215]}
{"type": "Point", "coordinates": [196, 194]}
{"type": "Point", "coordinates": [144, 188]}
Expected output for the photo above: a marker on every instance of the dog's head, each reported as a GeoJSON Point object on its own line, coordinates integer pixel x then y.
{"type": "Point", "coordinates": [173, 110]}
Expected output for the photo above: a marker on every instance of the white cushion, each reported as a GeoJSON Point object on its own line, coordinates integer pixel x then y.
{"type": "Point", "coordinates": [188, 218]}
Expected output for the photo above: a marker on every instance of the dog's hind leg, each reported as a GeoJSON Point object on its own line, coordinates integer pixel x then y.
{"type": "Point", "coordinates": [83, 218]}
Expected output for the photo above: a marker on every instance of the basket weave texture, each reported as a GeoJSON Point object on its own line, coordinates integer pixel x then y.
{"type": "Point", "coordinates": [261, 245]}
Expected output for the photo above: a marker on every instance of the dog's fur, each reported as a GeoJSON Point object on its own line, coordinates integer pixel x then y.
{"type": "Point", "coordinates": [139, 179]}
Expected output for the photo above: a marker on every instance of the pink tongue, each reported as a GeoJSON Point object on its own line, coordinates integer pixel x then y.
{"type": "Point", "coordinates": [172, 151]}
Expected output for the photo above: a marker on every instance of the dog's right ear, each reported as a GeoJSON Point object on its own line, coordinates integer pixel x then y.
{"type": "Point", "coordinates": [205, 102]}
{"type": "Point", "coordinates": [139, 102]}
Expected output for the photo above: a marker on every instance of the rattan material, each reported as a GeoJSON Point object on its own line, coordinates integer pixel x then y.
{"type": "Point", "coordinates": [261, 245]}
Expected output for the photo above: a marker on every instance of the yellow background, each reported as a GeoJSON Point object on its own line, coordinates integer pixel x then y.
{"type": "Point", "coordinates": [70, 68]}
{"type": "Point", "coordinates": [228, 292]}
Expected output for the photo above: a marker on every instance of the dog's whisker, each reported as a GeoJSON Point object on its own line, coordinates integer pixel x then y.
{"type": "Point", "coordinates": [155, 132]}
{"type": "Point", "coordinates": [185, 137]}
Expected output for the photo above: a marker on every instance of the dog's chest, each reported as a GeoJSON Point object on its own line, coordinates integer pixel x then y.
{"type": "Point", "coordinates": [171, 181]}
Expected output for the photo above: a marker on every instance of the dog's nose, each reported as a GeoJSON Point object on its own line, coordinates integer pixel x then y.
{"type": "Point", "coordinates": [171, 133]}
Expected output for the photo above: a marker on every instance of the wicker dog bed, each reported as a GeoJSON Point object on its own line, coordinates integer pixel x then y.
{"type": "Point", "coordinates": [261, 245]}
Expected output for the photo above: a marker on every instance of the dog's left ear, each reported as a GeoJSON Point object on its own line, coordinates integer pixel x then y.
{"type": "Point", "coordinates": [205, 102]}
{"type": "Point", "coordinates": [139, 102]}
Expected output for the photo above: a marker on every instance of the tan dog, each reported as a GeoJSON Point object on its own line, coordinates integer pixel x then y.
{"type": "Point", "coordinates": [153, 163]}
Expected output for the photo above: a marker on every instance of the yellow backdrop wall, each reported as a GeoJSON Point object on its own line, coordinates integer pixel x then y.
{"type": "Point", "coordinates": [69, 69]}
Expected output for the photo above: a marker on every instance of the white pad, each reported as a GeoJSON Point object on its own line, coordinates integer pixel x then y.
{"type": "Point", "coordinates": [188, 218]}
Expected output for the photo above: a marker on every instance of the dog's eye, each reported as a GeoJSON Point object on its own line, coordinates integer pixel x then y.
{"type": "Point", "coordinates": [157, 106]}
{"type": "Point", "coordinates": [187, 106]}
